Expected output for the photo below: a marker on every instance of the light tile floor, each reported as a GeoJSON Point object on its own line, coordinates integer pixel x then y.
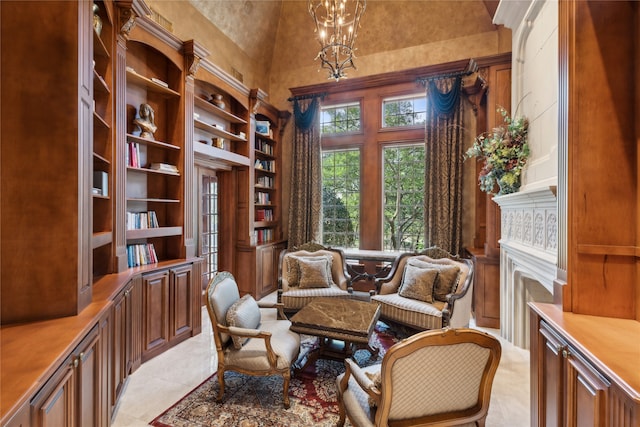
{"type": "Point", "coordinates": [162, 381]}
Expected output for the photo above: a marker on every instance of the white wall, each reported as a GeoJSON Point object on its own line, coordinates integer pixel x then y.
{"type": "Point", "coordinates": [534, 25]}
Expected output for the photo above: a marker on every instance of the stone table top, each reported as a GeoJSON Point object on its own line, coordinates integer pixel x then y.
{"type": "Point", "coordinates": [338, 318]}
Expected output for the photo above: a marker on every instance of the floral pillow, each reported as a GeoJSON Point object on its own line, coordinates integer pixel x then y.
{"type": "Point", "coordinates": [244, 313]}
{"type": "Point", "coordinates": [417, 283]}
{"type": "Point", "coordinates": [315, 272]}
{"type": "Point", "coordinates": [447, 280]}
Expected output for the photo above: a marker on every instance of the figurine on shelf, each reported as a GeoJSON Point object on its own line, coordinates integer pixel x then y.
{"type": "Point", "coordinates": [145, 121]}
{"type": "Point", "coordinates": [216, 99]}
{"type": "Point", "coordinates": [97, 21]}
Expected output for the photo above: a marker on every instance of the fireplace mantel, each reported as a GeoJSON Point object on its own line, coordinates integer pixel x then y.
{"type": "Point", "coordinates": [528, 257]}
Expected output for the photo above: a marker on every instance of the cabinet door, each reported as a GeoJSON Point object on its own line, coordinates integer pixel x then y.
{"type": "Point", "coordinates": [121, 343]}
{"type": "Point", "coordinates": [54, 405]}
{"type": "Point", "coordinates": [89, 386]}
{"type": "Point", "coordinates": [70, 398]}
{"type": "Point", "coordinates": [266, 267]}
{"type": "Point", "coordinates": [586, 393]}
{"type": "Point", "coordinates": [155, 331]}
{"type": "Point", "coordinates": [181, 301]}
{"type": "Point", "coordinates": [551, 378]}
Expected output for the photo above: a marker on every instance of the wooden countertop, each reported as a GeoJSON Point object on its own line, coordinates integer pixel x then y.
{"type": "Point", "coordinates": [612, 345]}
{"type": "Point", "coordinates": [31, 352]}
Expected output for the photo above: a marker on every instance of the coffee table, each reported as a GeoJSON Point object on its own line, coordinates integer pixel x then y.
{"type": "Point", "coordinates": [335, 321]}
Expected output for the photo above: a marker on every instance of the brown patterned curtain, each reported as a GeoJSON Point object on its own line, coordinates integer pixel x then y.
{"type": "Point", "coordinates": [444, 150]}
{"type": "Point", "coordinates": [305, 204]}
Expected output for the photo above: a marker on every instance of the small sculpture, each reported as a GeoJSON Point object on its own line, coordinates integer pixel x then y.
{"type": "Point", "coordinates": [145, 121]}
{"type": "Point", "coordinates": [97, 21]}
{"type": "Point", "coordinates": [216, 99]}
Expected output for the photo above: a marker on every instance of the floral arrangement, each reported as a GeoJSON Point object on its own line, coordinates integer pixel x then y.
{"type": "Point", "coordinates": [505, 151]}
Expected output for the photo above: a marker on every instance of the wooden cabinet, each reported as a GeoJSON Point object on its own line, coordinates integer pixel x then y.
{"type": "Point", "coordinates": [569, 385]}
{"type": "Point", "coordinates": [257, 272]}
{"type": "Point", "coordinates": [103, 134]}
{"type": "Point", "coordinates": [486, 289]}
{"type": "Point", "coordinates": [126, 342]}
{"type": "Point", "coordinates": [47, 80]}
{"type": "Point", "coordinates": [170, 307]}
{"type": "Point", "coordinates": [71, 396]}
{"type": "Point", "coordinates": [22, 417]}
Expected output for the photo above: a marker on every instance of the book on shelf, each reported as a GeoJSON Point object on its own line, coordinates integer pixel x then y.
{"type": "Point", "coordinates": [264, 181]}
{"type": "Point", "coordinates": [141, 254]}
{"type": "Point", "coordinates": [142, 220]}
{"type": "Point", "coordinates": [262, 198]}
{"type": "Point", "coordinates": [264, 214]}
{"type": "Point", "coordinates": [163, 167]}
{"type": "Point", "coordinates": [133, 154]}
{"type": "Point", "coordinates": [263, 235]}
{"type": "Point", "coordinates": [160, 82]}
{"type": "Point", "coordinates": [266, 165]}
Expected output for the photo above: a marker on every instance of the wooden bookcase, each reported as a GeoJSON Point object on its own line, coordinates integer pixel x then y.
{"type": "Point", "coordinates": [260, 237]}
{"type": "Point", "coordinates": [47, 84]}
{"type": "Point", "coordinates": [103, 136]}
{"type": "Point", "coordinates": [156, 78]}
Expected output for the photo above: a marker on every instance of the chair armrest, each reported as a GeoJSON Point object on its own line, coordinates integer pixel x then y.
{"type": "Point", "coordinates": [253, 333]}
{"type": "Point", "coordinates": [365, 383]}
{"type": "Point", "coordinates": [277, 305]}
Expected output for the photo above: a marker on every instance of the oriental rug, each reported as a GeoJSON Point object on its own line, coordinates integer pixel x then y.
{"type": "Point", "coordinates": [257, 401]}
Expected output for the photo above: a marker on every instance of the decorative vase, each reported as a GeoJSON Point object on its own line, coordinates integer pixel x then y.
{"type": "Point", "coordinates": [216, 99]}
{"type": "Point", "coordinates": [507, 187]}
{"type": "Point", "coordinates": [97, 21]}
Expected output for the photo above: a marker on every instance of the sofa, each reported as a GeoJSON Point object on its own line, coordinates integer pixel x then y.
{"type": "Point", "coordinates": [427, 290]}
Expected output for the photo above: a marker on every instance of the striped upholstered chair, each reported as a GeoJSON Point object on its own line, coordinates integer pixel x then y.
{"type": "Point", "coordinates": [446, 304]}
{"type": "Point", "coordinates": [311, 271]}
{"type": "Point", "coordinates": [442, 377]}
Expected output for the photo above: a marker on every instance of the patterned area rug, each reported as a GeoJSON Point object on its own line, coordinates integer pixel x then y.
{"type": "Point", "coordinates": [257, 401]}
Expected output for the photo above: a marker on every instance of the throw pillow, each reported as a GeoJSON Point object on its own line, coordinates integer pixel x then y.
{"type": "Point", "coordinates": [244, 313]}
{"type": "Point", "coordinates": [315, 272]}
{"type": "Point", "coordinates": [291, 270]}
{"type": "Point", "coordinates": [417, 283]}
{"type": "Point", "coordinates": [447, 280]}
{"type": "Point", "coordinates": [376, 378]}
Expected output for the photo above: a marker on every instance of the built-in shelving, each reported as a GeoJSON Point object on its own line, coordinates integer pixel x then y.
{"type": "Point", "coordinates": [103, 147]}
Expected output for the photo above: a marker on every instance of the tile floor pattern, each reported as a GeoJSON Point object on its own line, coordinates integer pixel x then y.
{"type": "Point", "coordinates": [162, 381]}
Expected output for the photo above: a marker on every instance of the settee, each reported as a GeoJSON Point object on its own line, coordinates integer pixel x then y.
{"type": "Point", "coordinates": [427, 290]}
{"type": "Point", "coordinates": [310, 271]}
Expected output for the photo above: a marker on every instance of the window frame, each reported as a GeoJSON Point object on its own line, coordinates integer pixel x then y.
{"type": "Point", "coordinates": [338, 104]}
{"type": "Point", "coordinates": [411, 95]}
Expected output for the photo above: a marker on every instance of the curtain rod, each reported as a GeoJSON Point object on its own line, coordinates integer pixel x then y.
{"type": "Point", "coordinates": [312, 95]}
{"type": "Point", "coordinates": [471, 68]}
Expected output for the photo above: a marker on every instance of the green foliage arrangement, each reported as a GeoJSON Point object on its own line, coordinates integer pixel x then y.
{"type": "Point", "coordinates": [505, 151]}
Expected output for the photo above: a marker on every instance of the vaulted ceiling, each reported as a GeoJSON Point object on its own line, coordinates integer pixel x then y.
{"type": "Point", "coordinates": [253, 25]}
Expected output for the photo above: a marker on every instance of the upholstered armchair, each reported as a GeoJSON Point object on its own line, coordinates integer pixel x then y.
{"type": "Point", "coordinates": [429, 290]}
{"type": "Point", "coordinates": [440, 378]}
{"type": "Point", "coordinates": [245, 342]}
{"type": "Point", "coordinates": [311, 271]}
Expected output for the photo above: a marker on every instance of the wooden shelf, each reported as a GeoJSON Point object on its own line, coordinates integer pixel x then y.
{"type": "Point", "coordinates": [265, 171]}
{"type": "Point", "coordinates": [148, 233]}
{"type": "Point", "coordinates": [218, 154]}
{"type": "Point", "coordinates": [206, 105]}
{"type": "Point", "coordinates": [135, 138]}
{"type": "Point", "coordinates": [145, 170]}
{"type": "Point", "coordinates": [261, 187]}
{"type": "Point", "coordinates": [217, 131]}
{"type": "Point", "coordinates": [100, 239]}
{"type": "Point", "coordinates": [151, 200]}
{"type": "Point", "coordinates": [99, 49]}
{"type": "Point", "coordinates": [98, 157]}
{"type": "Point", "coordinates": [265, 224]}
{"type": "Point", "coordinates": [264, 155]}
{"type": "Point", "coordinates": [97, 119]}
{"type": "Point", "coordinates": [137, 79]}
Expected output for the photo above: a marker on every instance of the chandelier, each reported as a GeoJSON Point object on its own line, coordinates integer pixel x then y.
{"type": "Point", "coordinates": [337, 23]}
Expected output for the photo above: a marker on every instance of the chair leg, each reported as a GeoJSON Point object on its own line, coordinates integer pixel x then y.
{"type": "Point", "coordinates": [221, 382]}
{"type": "Point", "coordinates": [285, 388]}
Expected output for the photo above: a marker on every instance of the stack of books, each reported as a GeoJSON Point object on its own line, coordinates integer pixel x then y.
{"type": "Point", "coordinates": [141, 254]}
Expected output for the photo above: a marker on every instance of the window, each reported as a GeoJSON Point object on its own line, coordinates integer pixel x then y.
{"type": "Point", "coordinates": [341, 198]}
{"type": "Point", "coordinates": [404, 111]}
{"type": "Point", "coordinates": [209, 226]}
{"type": "Point", "coordinates": [403, 202]}
{"type": "Point", "coordinates": [343, 118]}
